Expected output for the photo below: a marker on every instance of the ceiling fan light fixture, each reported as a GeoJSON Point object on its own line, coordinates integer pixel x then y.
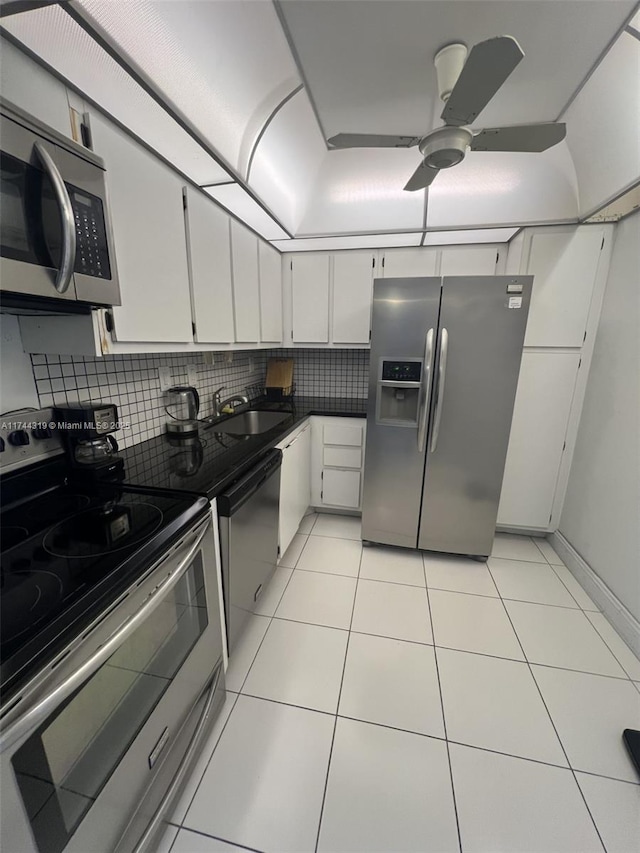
{"type": "Point", "coordinates": [445, 147]}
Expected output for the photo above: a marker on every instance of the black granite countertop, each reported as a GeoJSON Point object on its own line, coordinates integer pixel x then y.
{"type": "Point", "coordinates": [208, 463]}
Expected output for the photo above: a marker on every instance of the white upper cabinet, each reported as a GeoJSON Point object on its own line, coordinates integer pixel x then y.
{"type": "Point", "coordinates": [469, 260]}
{"type": "Point", "coordinates": [352, 297]}
{"type": "Point", "coordinates": [270, 264]}
{"type": "Point", "coordinates": [246, 287]}
{"type": "Point", "coordinates": [401, 263]}
{"type": "Point", "coordinates": [310, 298]}
{"type": "Point", "coordinates": [209, 248]}
{"type": "Point", "coordinates": [564, 265]}
{"type": "Point", "coordinates": [148, 227]}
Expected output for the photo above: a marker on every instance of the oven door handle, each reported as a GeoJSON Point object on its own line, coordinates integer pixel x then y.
{"type": "Point", "coordinates": [178, 777]}
{"type": "Point", "coordinates": [37, 713]}
{"type": "Point", "coordinates": [68, 260]}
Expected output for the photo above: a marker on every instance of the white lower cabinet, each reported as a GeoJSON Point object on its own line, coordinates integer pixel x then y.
{"type": "Point", "coordinates": [295, 483]}
{"type": "Point", "coordinates": [536, 443]}
{"type": "Point", "coordinates": [337, 460]}
{"type": "Point", "coordinates": [341, 488]}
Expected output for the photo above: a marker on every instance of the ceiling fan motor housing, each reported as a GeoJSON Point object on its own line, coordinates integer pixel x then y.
{"type": "Point", "coordinates": [445, 147]}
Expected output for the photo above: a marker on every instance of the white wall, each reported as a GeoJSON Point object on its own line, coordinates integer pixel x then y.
{"type": "Point", "coordinates": [601, 514]}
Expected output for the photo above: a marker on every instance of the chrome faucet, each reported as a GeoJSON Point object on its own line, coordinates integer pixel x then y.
{"type": "Point", "coordinates": [218, 404]}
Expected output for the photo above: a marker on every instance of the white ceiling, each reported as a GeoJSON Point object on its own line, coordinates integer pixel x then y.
{"type": "Point", "coordinates": [369, 63]}
{"type": "Point", "coordinates": [227, 69]}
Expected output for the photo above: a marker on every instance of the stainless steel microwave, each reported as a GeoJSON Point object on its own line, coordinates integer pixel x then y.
{"type": "Point", "coordinates": [55, 233]}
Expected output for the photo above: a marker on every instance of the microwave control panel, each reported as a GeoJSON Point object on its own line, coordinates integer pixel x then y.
{"type": "Point", "coordinates": [92, 252]}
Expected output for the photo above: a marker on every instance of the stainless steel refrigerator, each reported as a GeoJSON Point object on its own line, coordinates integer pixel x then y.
{"type": "Point", "coordinates": [445, 358]}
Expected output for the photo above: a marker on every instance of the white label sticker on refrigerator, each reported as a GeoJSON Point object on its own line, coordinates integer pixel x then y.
{"type": "Point", "coordinates": [515, 302]}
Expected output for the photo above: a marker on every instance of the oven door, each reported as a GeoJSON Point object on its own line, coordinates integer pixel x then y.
{"type": "Point", "coordinates": [98, 754]}
{"type": "Point", "coordinates": [55, 236]}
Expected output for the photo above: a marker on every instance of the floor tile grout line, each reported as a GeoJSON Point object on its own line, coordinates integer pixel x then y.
{"type": "Point", "coordinates": [444, 719]}
{"type": "Point", "coordinates": [218, 838]}
{"type": "Point", "coordinates": [335, 724]}
{"type": "Point", "coordinates": [553, 569]}
{"type": "Point", "coordinates": [551, 720]}
{"type": "Point", "coordinates": [455, 648]}
{"type": "Point", "coordinates": [454, 741]}
{"type": "Point", "coordinates": [622, 666]}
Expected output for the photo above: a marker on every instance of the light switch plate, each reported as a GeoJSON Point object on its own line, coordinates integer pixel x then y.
{"type": "Point", "coordinates": [166, 378]}
{"type": "Point", "coordinates": [192, 374]}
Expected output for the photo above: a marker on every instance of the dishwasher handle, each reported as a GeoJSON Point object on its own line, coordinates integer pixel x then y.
{"type": "Point", "coordinates": [240, 491]}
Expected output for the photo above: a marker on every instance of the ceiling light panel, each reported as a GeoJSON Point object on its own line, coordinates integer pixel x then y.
{"type": "Point", "coordinates": [477, 235]}
{"type": "Point", "coordinates": [57, 39]}
{"type": "Point", "coordinates": [239, 202]}
{"type": "Point", "coordinates": [366, 241]}
{"type": "Point", "coordinates": [287, 160]}
{"type": "Point", "coordinates": [603, 125]}
{"type": "Point", "coordinates": [217, 62]}
{"type": "Point", "coordinates": [360, 191]}
{"type": "Point", "coordinates": [503, 189]}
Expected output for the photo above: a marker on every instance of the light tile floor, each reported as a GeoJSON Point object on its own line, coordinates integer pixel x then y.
{"type": "Point", "coordinates": [383, 701]}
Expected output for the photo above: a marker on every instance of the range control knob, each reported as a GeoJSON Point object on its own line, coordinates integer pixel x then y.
{"type": "Point", "coordinates": [19, 438]}
{"type": "Point", "coordinates": [41, 432]}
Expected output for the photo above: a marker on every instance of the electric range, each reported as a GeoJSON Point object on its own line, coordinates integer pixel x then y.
{"type": "Point", "coordinates": [67, 550]}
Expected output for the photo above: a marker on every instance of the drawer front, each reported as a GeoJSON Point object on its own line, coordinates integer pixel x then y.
{"type": "Point", "coordinates": [345, 435]}
{"type": "Point", "coordinates": [342, 457]}
{"type": "Point", "coordinates": [341, 488]}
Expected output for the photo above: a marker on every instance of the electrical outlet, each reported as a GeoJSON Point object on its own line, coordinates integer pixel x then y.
{"type": "Point", "coordinates": [228, 357]}
{"type": "Point", "coordinates": [209, 358]}
{"type": "Point", "coordinates": [166, 378]}
{"type": "Point", "coordinates": [252, 364]}
{"type": "Point", "coordinates": [192, 374]}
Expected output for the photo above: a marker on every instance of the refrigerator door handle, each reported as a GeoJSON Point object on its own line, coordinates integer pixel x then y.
{"type": "Point", "coordinates": [442, 371]}
{"type": "Point", "coordinates": [426, 390]}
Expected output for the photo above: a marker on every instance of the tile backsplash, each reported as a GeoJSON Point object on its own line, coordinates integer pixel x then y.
{"type": "Point", "coordinates": [132, 382]}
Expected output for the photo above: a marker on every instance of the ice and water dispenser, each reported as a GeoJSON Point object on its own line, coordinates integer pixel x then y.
{"type": "Point", "coordinates": [398, 392]}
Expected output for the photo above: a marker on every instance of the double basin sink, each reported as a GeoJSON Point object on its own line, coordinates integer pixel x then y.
{"type": "Point", "coordinates": [251, 422]}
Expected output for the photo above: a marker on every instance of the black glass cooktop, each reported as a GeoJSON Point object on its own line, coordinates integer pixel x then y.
{"type": "Point", "coordinates": [67, 552]}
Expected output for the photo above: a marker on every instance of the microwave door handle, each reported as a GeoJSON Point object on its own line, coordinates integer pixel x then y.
{"type": "Point", "coordinates": [442, 373]}
{"type": "Point", "coordinates": [426, 390]}
{"type": "Point", "coordinates": [67, 263]}
{"type": "Point", "coordinates": [38, 713]}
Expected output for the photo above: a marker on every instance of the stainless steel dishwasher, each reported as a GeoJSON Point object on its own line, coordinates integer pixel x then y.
{"type": "Point", "coordinates": [248, 516]}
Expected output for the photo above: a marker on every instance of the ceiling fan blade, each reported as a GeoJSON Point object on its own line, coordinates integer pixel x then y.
{"type": "Point", "coordinates": [488, 65]}
{"type": "Point", "coordinates": [421, 178]}
{"type": "Point", "coordinates": [520, 137]}
{"type": "Point", "coordinates": [372, 140]}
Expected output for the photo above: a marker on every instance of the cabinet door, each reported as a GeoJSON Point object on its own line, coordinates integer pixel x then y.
{"type": "Point", "coordinates": [148, 228]}
{"type": "Point", "coordinates": [209, 247]}
{"type": "Point", "coordinates": [564, 267]}
{"type": "Point", "coordinates": [310, 298]}
{"type": "Point", "coordinates": [341, 488]}
{"type": "Point", "coordinates": [289, 494]}
{"type": "Point", "coordinates": [270, 263]}
{"type": "Point", "coordinates": [468, 260]}
{"type": "Point", "coordinates": [540, 418]}
{"type": "Point", "coordinates": [304, 473]}
{"type": "Point", "coordinates": [352, 297]}
{"type": "Point", "coordinates": [246, 288]}
{"type": "Point", "coordinates": [401, 263]}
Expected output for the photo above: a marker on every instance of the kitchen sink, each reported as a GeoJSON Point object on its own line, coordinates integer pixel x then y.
{"type": "Point", "coordinates": [252, 422]}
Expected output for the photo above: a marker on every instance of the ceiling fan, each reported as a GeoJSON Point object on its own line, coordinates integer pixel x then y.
{"type": "Point", "coordinates": [466, 84]}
